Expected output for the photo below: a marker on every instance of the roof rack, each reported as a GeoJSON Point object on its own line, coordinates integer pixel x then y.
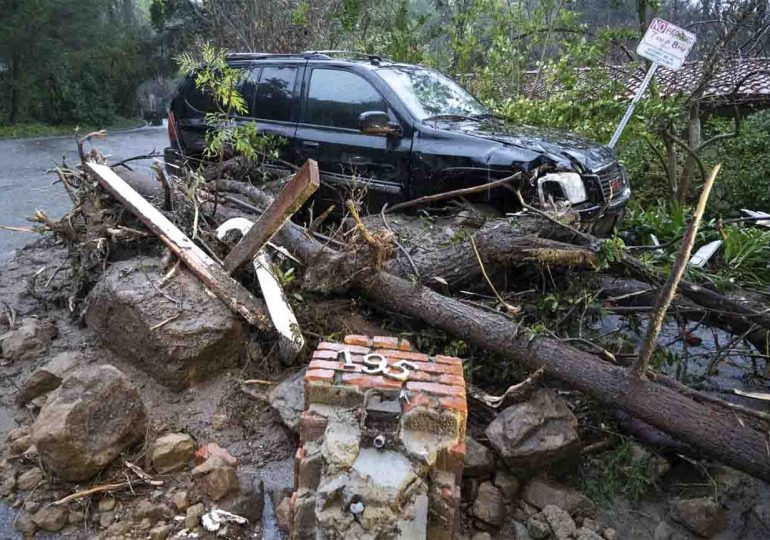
{"type": "Point", "coordinates": [353, 55]}
{"type": "Point", "coordinates": [259, 55]}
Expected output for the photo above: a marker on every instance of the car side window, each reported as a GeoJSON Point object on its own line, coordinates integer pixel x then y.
{"type": "Point", "coordinates": [248, 88]}
{"type": "Point", "coordinates": [275, 94]}
{"type": "Point", "coordinates": [336, 98]}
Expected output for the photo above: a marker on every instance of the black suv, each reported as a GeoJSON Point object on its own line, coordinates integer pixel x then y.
{"type": "Point", "coordinates": [406, 131]}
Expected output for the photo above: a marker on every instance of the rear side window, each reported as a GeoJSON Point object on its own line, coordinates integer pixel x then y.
{"type": "Point", "coordinates": [248, 88]}
{"type": "Point", "coordinates": [275, 94]}
{"type": "Point", "coordinates": [196, 99]}
{"type": "Point", "coordinates": [336, 98]}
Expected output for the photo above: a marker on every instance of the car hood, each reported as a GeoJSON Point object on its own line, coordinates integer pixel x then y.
{"type": "Point", "coordinates": [566, 149]}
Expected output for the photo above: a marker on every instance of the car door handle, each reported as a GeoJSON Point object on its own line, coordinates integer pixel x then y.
{"type": "Point", "coordinates": [311, 144]}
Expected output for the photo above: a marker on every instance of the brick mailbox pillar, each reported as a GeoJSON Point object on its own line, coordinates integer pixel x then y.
{"type": "Point", "coordinates": [382, 442]}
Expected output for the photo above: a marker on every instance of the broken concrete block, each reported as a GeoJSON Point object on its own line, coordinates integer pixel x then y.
{"type": "Point", "coordinates": [535, 433]}
{"type": "Point", "coordinates": [178, 336]}
{"type": "Point", "coordinates": [382, 449]}
{"type": "Point", "coordinates": [88, 421]}
{"type": "Point", "coordinates": [30, 340]}
{"type": "Point", "coordinates": [48, 377]}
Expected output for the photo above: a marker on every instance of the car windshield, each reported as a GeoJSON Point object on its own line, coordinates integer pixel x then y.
{"type": "Point", "coordinates": [429, 94]}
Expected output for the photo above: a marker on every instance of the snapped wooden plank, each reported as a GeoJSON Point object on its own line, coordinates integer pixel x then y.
{"type": "Point", "coordinates": [290, 338]}
{"type": "Point", "coordinates": [293, 195]}
{"type": "Point", "coordinates": [212, 275]}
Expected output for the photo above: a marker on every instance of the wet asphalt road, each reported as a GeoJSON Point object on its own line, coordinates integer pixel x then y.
{"type": "Point", "coordinates": [25, 185]}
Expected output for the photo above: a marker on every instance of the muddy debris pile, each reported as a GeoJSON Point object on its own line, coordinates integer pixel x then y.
{"type": "Point", "coordinates": [196, 356]}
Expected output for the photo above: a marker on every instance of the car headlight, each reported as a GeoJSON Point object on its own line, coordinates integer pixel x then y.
{"type": "Point", "coordinates": [571, 184]}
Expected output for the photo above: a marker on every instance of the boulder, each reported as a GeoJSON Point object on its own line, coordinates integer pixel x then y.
{"type": "Point", "coordinates": [31, 339]}
{"type": "Point", "coordinates": [288, 399]}
{"type": "Point", "coordinates": [541, 493]}
{"type": "Point", "coordinates": [703, 516]}
{"type": "Point", "coordinates": [88, 421]}
{"type": "Point", "coordinates": [535, 433]}
{"type": "Point", "coordinates": [204, 337]}
{"type": "Point", "coordinates": [489, 505]}
{"type": "Point", "coordinates": [171, 452]}
{"type": "Point", "coordinates": [213, 449]}
{"type": "Point", "coordinates": [479, 460]}
{"type": "Point", "coordinates": [48, 377]}
{"type": "Point", "coordinates": [193, 516]}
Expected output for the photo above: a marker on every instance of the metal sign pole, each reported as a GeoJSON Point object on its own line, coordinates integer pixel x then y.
{"type": "Point", "coordinates": [631, 106]}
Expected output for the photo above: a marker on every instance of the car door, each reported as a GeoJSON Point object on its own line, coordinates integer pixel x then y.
{"type": "Point", "coordinates": [328, 131]}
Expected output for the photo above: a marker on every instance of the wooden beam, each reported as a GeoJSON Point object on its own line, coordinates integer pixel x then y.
{"type": "Point", "coordinates": [233, 294]}
{"type": "Point", "coordinates": [293, 195]}
{"type": "Point", "coordinates": [290, 339]}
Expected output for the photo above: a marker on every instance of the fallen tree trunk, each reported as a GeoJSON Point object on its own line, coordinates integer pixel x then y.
{"type": "Point", "coordinates": [713, 430]}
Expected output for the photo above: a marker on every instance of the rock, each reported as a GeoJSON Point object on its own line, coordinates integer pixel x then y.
{"type": "Point", "coordinates": [610, 534]}
{"type": "Point", "coordinates": [106, 519]}
{"type": "Point", "coordinates": [534, 433]}
{"type": "Point", "coordinates": [584, 533]}
{"type": "Point", "coordinates": [107, 504]}
{"type": "Point", "coordinates": [589, 523]}
{"type": "Point", "coordinates": [205, 338]}
{"type": "Point", "coordinates": [25, 525]}
{"type": "Point", "coordinates": [30, 340]}
{"type": "Point", "coordinates": [213, 449]}
{"type": "Point", "coordinates": [180, 501]}
{"type": "Point", "coordinates": [117, 528]}
{"type": "Point", "coordinates": [51, 518]}
{"type": "Point", "coordinates": [7, 483]}
{"type": "Point", "coordinates": [541, 493]}
{"type": "Point", "coordinates": [489, 506]}
{"type": "Point", "coordinates": [28, 480]}
{"type": "Point", "coordinates": [250, 499]}
{"type": "Point", "coordinates": [663, 531]}
{"type": "Point", "coordinates": [171, 452]}
{"type": "Point", "coordinates": [283, 514]}
{"type": "Point", "coordinates": [288, 399]}
{"type": "Point", "coordinates": [507, 483]}
{"type": "Point", "coordinates": [88, 421]}
{"type": "Point", "coordinates": [482, 536]}
{"type": "Point", "coordinates": [220, 482]}
{"type": "Point", "coordinates": [48, 377]}
{"type": "Point", "coordinates": [702, 516]}
{"type": "Point", "coordinates": [560, 522]}
{"type": "Point", "coordinates": [479, 460]}
{"type": "Point", "coordinates": [20, 445]}
{"type": "Point", "coordinates": [537, 527]}
{"type": "Point", "coordinates": [19, 432]}
{"type": "Point", "coordinates": [153, 512]}
{"type": "Point", "coordinates": [161, 532]}
{"type": "Point", "coordinates": [193, 516]}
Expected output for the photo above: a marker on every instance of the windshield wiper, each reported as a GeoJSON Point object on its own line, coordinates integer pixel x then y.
{"type": "Point", "coordinates": [486, 116]}
{"type": "Point", "coordinates": [451, 117]}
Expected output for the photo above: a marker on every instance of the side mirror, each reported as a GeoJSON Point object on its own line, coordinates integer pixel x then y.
{"type": "Point", "coordinates": [378, 123]}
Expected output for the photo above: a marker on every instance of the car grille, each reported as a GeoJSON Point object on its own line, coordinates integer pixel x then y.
{"type": "Point", "coordinates": [607, 183]}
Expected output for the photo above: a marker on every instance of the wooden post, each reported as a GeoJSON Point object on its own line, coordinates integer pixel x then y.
{"type": "Point", "coordinates": [233, 294]}
{"type": "Point", "coordinates": [293, 195]}
{"type": "Point", "coordinates": [290, 339]}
